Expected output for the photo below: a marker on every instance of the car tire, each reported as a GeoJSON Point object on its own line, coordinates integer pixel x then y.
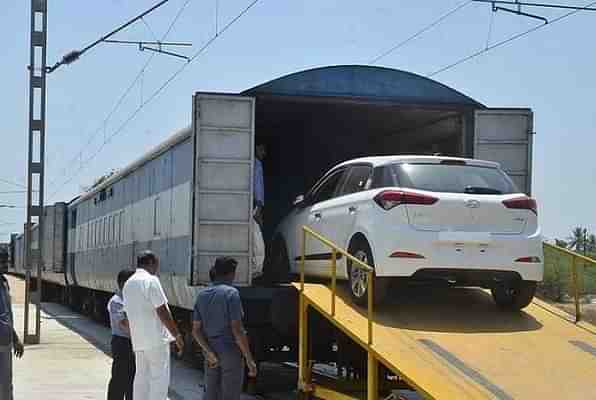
{"type": "Point", "coordinates": [514, 296]}
{"type": "Point", "coordinates": [360, 249]}
{"type": "Point", "coordinates": [277, 266]}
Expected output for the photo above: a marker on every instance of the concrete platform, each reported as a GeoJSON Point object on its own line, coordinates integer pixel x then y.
{"type": "Point", "coordinates": [72, 362]}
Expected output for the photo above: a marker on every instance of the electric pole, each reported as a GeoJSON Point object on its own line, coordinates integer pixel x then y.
{"type": "Point", "coordinates": [35, 163]}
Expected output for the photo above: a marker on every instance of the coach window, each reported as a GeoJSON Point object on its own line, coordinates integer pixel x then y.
{"type": "Point", "coordinates": [102, 223]}
{"type": "Point", "coordinates": [156, 217]}
{"type": "Point", "coordinates": [114, 228]}
{"type": "Point", "coordinates": [73, 219]}
{"type": "Point", "coordinates": [121, 228]}
{"type": "Point", "coordinates": [105, 230]}
{"type": "Point", "coordinates": [110, 231]}
{"type": "Point", "coordinates": [81, 232]}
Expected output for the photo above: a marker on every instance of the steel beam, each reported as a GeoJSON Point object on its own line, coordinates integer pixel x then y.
{"type": "Point", "coordinates": [35, 165]}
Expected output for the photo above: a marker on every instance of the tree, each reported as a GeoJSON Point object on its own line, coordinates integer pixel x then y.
{"type": "Point", "coordinates": [591, 243]}
{"type": "Point", "coordinates": [579, 239]}
{"type": "Point", "coordinates": [561, 243]}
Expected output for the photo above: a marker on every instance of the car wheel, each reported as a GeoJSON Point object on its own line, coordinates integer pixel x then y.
{"type": "Point", "coordinates": [514, 296]}
{"type": "Point", "coordinates": [358, 279]}
{"type": "Point", "coordinates": [277, 267]}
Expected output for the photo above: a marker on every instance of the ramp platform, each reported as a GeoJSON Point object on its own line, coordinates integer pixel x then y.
{"type": "Point", "coordinates": [454, 344]}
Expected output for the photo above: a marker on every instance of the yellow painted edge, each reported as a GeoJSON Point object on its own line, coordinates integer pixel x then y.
{"type": "Point", "coordinates": [564, 315]}
{"type": "Point", "coordinates": [326, 393]}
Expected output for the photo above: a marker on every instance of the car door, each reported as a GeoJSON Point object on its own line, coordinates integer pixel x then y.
{"type": "Point", "coordinates": [349, 203]}
{"type": "Point", "coordinates": [320, 206]}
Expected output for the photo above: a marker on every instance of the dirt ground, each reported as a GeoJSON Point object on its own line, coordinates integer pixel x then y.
{"type": "Point", "coordinates": [588, 311]}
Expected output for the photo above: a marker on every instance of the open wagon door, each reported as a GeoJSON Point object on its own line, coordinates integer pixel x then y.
{"type": "Point", "coordinates": [505, 136]}
{"type": "Point", "coordinates": [223, 143]}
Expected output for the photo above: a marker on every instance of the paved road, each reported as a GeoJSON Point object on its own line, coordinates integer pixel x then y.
{"type": "Point", "coordinates": [72, 362]}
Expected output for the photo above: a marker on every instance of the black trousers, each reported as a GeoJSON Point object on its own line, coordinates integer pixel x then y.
{"type": "Point", "coordinates": [123, 369]}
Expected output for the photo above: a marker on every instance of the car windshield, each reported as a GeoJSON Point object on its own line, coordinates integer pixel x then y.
{"type": "Point", "coordinates": [450, 178]}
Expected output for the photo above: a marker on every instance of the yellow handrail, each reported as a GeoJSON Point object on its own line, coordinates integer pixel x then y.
{"type": "Point", "coordinates": [574, 275]}
{"type": "Point", "coordinates": [571, 253]}
{"type": "Point", "coordinates": [357, 263]}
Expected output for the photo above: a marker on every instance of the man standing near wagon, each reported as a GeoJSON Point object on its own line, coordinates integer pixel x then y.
{"type": "Point", "coordinates": [152, 329]}
{"type": "Point", "coordinates": [9, 340]}
{"type": "Point", "coordinates": [259, 183]}
{"type": "Point", "coordinates": [218, 328]}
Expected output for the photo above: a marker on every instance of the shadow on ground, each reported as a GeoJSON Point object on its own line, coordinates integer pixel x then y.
{"type": "Point", "coordinates": [449, 310]}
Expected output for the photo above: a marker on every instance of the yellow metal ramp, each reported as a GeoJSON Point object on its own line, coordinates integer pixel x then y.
{"type": "Point", "coordinates": [454, 344]}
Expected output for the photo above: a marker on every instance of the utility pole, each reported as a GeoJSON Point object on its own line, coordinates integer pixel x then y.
{"type": "Point", "coordinates": [35, 164]}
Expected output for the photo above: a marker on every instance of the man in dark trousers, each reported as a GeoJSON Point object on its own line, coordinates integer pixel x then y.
{"type": "Point", "coordinates": [123, 364]}
{"type": "Point", "coordinates": [9, 340]}
{"type": "Point", "coordinates": [218, 328]}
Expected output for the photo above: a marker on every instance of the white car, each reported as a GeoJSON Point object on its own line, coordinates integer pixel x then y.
{"type": "Point", "coordinates": [454, 220]}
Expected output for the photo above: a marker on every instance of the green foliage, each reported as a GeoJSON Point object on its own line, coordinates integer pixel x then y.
{"type": "Point", "coordinates": [558, 282]}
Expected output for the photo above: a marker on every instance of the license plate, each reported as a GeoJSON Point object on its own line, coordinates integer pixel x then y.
{"type": "Point", "coordinates": [465, 237]}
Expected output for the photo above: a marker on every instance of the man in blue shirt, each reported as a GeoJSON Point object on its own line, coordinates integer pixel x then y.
{"type": "Point", "coordinates": [9, 340]}
{"type": "Point", "coordinates": [259, 183]}
{"type": "Point", "coordinates": [218, 328]}
{"type": "Point", "coordinates": [123, 364]}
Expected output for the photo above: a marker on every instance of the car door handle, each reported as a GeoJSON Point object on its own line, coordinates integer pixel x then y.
{"type": "Point", "coordinates": [318, 216]}
{"type": "Point", "coordinates": [352, 209]}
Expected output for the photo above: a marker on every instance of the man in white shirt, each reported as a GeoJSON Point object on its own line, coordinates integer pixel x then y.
{"type": "Point", "coordinates": [152, 329]}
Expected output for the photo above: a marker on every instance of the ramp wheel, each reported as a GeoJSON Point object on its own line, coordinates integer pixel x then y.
{"type": "Point", "coordinates": [360, 249]}
{"type": "Point", "coordinates": [514, 296]}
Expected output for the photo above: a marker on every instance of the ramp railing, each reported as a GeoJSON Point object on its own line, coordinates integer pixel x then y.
{"type": "Point", "coordinates": [555, 257]}
{"type": "Point", "coordinates": [305, 366]}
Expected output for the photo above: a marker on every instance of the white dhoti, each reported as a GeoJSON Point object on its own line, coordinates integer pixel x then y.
{"type": "Point", "coordinates": [152, 377]}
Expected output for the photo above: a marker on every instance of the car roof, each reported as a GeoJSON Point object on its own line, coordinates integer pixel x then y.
{"type": "Point", "coordinates": [384, 160]}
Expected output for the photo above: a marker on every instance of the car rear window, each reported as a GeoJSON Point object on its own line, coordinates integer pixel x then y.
{"type": "Point", "coordinates": [449, 178]}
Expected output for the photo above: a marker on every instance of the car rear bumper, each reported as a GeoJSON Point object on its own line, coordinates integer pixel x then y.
{"type": "Point", "coordinates": [494, 257]}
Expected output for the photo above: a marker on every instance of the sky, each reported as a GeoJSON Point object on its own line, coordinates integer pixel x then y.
{"type": "Point", "coordinates": [550, 71]}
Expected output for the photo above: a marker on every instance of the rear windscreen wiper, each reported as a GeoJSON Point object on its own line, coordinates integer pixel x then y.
{"type": "Point", "coordinates": [481, 190]}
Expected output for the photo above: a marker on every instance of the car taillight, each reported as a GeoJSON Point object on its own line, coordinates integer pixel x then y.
{"type": "Point", "coordinates": [393, 198]}
{"type": "Point", "coordinates": [522, 203]}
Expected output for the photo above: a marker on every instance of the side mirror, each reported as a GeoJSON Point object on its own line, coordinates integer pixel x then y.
{"type": "Point", "coordinates": [299, 200]}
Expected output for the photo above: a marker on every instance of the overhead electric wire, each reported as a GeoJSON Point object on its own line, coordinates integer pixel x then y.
{"type": "Point", "coordinates": [136, 79]}
{"type": "Point", "coordinates": [420, 32]}
{"type": "Point", "coordinates": [540, 5]}
{"type": "Point", "coordinates": [158, 91]}
{"type": "Point", "coordinates": [150, 29]}
{"type": "Point", "coordinates": [13, 183]}
{"type": "Point", "coordinates": [505, 41]}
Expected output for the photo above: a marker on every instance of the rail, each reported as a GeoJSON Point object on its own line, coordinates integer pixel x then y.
{"type": "Point", "coordinates": [305, 366]}
{"type": "Point", "coordinates": [575, 279]}
{"type": "Point", "coordinates": [306, 232]}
